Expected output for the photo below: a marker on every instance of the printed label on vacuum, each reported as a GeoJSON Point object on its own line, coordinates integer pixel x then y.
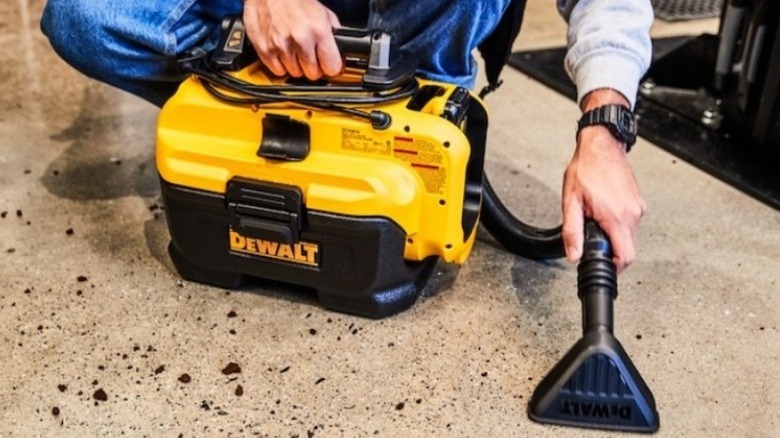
{"type": "Point", "coordinates": [302, 253]}
{"type": "Point", "coordinates": [355, 140]}
{"type": "Point", "coordinates": [425, 157]}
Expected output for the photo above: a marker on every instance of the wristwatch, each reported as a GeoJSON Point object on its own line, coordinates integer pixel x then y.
{"type": "Point", "coordinates": [620, 121]}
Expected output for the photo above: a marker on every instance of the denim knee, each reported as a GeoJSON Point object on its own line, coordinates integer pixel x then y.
{"type": "Point", "coordinates": [65, 22]}
{"type": "Point", "coordinates": [51, 11]}
{"type": "Point", "coordinates": [131, 45]}
{"type": "Point", "coordinates": [442, 33]}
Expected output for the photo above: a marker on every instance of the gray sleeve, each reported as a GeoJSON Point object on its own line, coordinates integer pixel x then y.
{"type": "Point", "coordinates": [608, 44]}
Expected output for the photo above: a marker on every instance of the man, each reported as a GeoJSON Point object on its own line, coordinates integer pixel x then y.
{"type": "Point", "coordinates": [133, 45]}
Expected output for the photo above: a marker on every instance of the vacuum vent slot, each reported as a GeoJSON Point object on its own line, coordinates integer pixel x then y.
{"type": "Point", "coordinates": [284, 138]}
{"type": "Point", "coordinates": [424, 95]}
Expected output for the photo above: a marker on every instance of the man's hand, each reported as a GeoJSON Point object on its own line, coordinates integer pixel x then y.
{"type": "Point", "coordinates": [294, 37]}
{"type": "Point", "coordinates": [600, 184]}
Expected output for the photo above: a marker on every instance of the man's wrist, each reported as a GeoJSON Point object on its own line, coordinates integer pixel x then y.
{"type": "Point", "coordinates": [617, 118]}
{"type": "Point", "coordinates": [608, 109]}
{"type": "Point", "coordinates": [601, 97]}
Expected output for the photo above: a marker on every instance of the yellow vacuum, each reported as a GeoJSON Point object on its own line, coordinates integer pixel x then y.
{"type": "Point", "coordinates": [354, 187]}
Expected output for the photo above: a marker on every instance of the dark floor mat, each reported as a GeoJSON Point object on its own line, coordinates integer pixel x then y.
{"type": "Point", "coordinates": [719, 155]}
{"type": "Point", "coordinates": [676, 10]}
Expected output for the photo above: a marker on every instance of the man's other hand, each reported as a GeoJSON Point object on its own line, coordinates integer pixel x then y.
{"type": "Point", "coordinates": [600, 184]}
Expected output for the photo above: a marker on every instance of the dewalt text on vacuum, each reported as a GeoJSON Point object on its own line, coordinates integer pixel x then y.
{"type": "Point", "coordinates": [356, 187]}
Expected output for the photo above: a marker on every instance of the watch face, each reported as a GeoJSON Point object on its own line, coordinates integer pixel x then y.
{"type": "Point", "coordinates": [626, 121]}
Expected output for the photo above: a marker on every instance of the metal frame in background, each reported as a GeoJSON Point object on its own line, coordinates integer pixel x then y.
{"type": "Point", "coordinates": [680, 113]}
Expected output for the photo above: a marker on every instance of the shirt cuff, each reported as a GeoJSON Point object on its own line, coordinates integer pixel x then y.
{"type": "Point", "coordinates": [607, 69]}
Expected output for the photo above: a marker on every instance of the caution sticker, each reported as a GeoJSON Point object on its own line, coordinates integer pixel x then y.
{"type": "Point", "coordinates": [426, 158]}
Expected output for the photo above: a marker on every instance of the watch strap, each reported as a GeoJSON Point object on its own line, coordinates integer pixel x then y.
{"type": "Point", "coordinates": [618, 118]}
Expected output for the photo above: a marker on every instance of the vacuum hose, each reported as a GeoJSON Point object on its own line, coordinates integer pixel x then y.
{"type": "Point", "coordinates": [515, 235]}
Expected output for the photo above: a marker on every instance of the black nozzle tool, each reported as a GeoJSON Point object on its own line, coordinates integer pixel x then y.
{"type": "Point", "coordinates": [595, 385]}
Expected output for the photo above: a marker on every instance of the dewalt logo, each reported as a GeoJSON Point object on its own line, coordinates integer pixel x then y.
{"type": "Point", "coordinates": [596, 410]}
{"type": "Point", "coordinates": [302, 253]}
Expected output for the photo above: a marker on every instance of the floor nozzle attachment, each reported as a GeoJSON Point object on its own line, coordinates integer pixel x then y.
{"type": "Point", "coordinates": [595, 384]}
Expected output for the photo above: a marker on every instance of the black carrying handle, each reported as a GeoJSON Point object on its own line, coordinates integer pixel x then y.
{"type": "Point", "coordinates": [375, 52]}
{"type": "Point", "coordinates": [356, 46]}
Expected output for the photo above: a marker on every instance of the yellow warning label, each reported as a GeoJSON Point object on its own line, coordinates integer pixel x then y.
{"type": "Point", "coordinates": [433, 177]}
{"type": "Point", "coordinates": [426, 158]}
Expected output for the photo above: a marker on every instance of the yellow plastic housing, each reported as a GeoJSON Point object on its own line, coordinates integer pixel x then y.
{"type": "Point", "coordinates": [412, 172]}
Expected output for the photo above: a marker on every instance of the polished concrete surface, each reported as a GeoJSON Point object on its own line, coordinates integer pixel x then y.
{"type": "Point", "coordinates": [100, 337]}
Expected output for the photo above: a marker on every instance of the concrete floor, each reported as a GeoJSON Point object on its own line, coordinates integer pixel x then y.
{"type": "Point", "coordinates": [99, 334]}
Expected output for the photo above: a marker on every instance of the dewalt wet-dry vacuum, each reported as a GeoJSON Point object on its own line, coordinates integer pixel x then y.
{"type": "Point", "coordinates": [356, 187]}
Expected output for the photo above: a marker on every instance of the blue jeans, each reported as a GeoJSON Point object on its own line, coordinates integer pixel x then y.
{"type": "Point", "coordinates": [134, 44]}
